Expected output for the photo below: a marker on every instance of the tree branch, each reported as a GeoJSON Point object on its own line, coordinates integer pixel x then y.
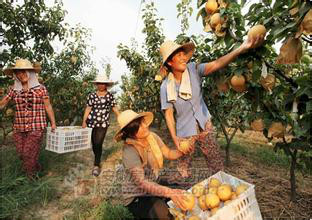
{"type": "Point", "coordinates": [234, 36]}
{"type": "Point", "coordinates": [278, 72]}
{"type": "Point", "coordinates": [234, 132]}
{"type": "Point", "coordinates": [222, 126]}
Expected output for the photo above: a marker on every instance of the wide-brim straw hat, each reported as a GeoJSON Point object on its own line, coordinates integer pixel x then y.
{"type": "Point", "coordinates": [23, 64]}
{"type": "Point", "coordinates": [127, 116]}
{"type": "Point", "coordinates": [169, 47]}
{"type": "Point", "coordinates": [102, 78]}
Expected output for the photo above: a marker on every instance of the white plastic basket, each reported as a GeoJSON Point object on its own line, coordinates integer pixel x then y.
{"type": "Point", "coordinates": [244, 207]}
{"type": "Point", "coordinates": [68, 139]}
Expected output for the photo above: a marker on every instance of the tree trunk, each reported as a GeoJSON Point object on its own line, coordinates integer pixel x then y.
{"type": "Point", "coordinates": [293, 176]}
{"type": "Point", "coordinates": [74, 121]}
{"type": "Point", "coordinates": [227, 148]}
{"type": "Point", "coordinates": [228, 137]}
{"type": "Point", "coordinates": [227, 154]}
{"type": "Point", "coordinates": [4, 136]}
{"type": "Point", "coordinates": [159, 122]}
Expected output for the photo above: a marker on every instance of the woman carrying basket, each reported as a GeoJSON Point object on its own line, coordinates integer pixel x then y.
{"type": "Point", "coordinates": [32, 103]}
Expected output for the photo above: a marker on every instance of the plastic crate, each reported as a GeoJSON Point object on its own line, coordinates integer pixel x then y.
{"type": "Point", "coordinates": [244, 207]}
{"type": "Point", "coordinates": [68, 139]}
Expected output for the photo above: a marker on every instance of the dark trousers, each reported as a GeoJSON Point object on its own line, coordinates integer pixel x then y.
{"type": "Point", "coordinates": [149, 207]}
{"type": "Point", "coordinates": [97, 138]}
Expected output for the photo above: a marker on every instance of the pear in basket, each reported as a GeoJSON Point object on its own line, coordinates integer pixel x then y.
{"type": "Point", "coordinates": [194, 217]}
{"type": "Point", "coordinates": [224, 192]}
{"type": "Point", "coordinates": [212, 201]}
{"type": "Point", "coordinates": [234, 196]}
{"type": "Point", "coordinates": [189, 201]}
{"type": "Point", "coordinates": [214, 182]}
{"type": "Point", "coordinates": [198, 190]}
{"type": "Point", "coordinates": [241, 188]}
{"type": "Point", "coordinates": [202, 203]}
{"type": "Point", "coordinates": [212, 190]}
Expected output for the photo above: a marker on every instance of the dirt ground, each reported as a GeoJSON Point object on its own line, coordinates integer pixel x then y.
{"type": "Point", "coordinates": [271, 182]}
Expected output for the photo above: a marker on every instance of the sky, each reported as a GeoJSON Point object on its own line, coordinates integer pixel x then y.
{"type": "Point", "coordinates": [117, 21]}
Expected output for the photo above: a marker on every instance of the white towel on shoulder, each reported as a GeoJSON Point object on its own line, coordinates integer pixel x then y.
{"type": "Point", "coordinates": [185, 90]}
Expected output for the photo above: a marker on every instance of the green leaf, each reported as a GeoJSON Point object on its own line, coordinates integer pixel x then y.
{"type": "Point", "coordinates": [309, 106]}
{"type": "Point", "coordinates": [200, 3]}
{"type": "Point", "coordinates": [267, 21]}
{"type": "Point", "coordinates": [292, 24]}
{"type": "Point", "coordinates": [304, 9]}
{"type": "Point", "coordinates": [242, 3]}
{"type": "Point", "coordinates": [278, 31]}
{"type": "Point", "coordinates": [202, 12]}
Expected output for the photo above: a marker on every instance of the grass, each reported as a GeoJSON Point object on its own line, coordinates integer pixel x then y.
{"type": "Point", "coordinates": [107, 211]}
{"type": "Point", "coordinates": [17, 191]}
{"type": "Point", "coordinates": [81, 209]}
{"type": "Point", "coordinates": [262, 154]}
{"type": "Point", "coordinates": [19, 194]}
{"type": "Point", "coordinates": [268, 156]}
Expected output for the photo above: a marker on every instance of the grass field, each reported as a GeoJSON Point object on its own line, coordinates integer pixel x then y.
{"type": "Point", "coordinates": [64, 190]}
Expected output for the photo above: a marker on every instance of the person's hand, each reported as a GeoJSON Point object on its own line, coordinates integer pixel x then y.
{"type": "Point", "coordinates": [4, 101]}
{"type": "Point", "coordinates": [186, 146]}
{"type": "Point", "coordinates": [6, 98]}
{"type": "Point", "coordinates": [209, 126]}
{"type": "Point", "coordinates": [53, 127]}
{"type": "Point", "coordinates": [177, 197]}
{"type": "Point", "coordinates": [252, 43]}
{"type": "Point", "coordinates": [84, 124]}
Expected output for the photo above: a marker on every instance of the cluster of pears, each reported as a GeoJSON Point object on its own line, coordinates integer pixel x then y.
{"type": "Point", "coordinates": [214, 21]}
{"type": "Point", "coordinates": [238, 83]}
{"type": "Point", "coordinates": [276, 129]}
{"type": "Point", "coordinates": [209, 198]}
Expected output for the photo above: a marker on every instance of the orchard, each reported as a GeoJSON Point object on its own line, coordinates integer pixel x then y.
{"type": "Point", "coordinates": [266, 91]}
{"type": "Point", "coordinates": [65, 73]}
{"type": "Point", "coordinates": [262, 89]}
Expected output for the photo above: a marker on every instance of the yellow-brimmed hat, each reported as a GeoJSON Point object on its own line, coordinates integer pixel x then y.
{"type": "Point", "coordinates": [169, 47]}
{"type": "Point", "coordinates": [23, 64]}
{"type": "Point", "coordinates": [126, 117]}
{"type": "Point", "coordinates": [102, 78]}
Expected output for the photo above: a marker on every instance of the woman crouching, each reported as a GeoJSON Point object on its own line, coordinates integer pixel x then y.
{"type": "Point", "coordinates": [143, 153]}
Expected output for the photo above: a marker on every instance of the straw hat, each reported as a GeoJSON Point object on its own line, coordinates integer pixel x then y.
{"type": "Point", "coordinates": [169, 47]}
{"type": "Point", "coordinates": [23, 64]}
{"type": "Point", "coordinates": [127, 116]}
{"type": "Point", "coordinates": [102, 78]}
